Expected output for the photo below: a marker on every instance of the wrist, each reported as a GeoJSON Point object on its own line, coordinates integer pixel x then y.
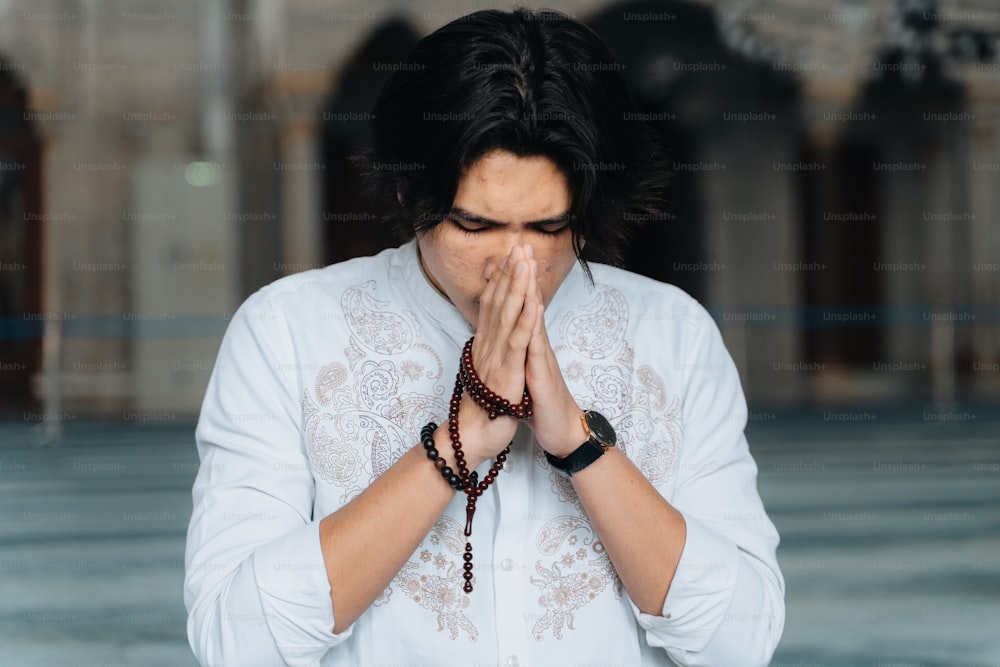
{"type": "Point", "coordinates": [570, 436]}
{"type": "Point", "coordinates": [471, 436]}
{"type": "Point", "coordinates": [599, 438]}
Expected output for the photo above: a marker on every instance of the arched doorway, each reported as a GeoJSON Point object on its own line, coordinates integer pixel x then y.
{"type": "Point", "coordinates": [20, 245]}
{"type": "Point", "coordinates": [865, 216]}
{"type": "Point", "coordinates": [352, 225]}
{"type": "Point", "coordinates": [687, 83]}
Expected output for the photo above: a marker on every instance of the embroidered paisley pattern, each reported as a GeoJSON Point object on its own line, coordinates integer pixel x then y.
{"type": "Point", "coordinates": [376, 328]}
{"type": "Point", "coordinates": [379, 383]}
{"type": "Point", "coordinates": [329, 378]}
{"type": "Point", "coordinates": [333, 460]}
{"type": "Point", "coordinates": [599, 333]}
{"type": "Point", "coordinates": [578, 576]}
{"type": "Point", "coordinates": [435, 580]}
{"type": "Point", "coordinates": [656, 458]}
{"type": "Point", "coordinates": [609, 387]}
{"type": "Point", "coordinates": [363, 413]}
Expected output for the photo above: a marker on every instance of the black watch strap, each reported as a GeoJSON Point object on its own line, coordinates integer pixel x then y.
{"type": "Point", "coordinates": [580, 458]}
{"type": "Point", "coordinates": [601, 438]}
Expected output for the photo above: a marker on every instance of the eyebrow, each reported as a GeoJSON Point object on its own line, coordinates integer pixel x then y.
{"type": "Point", "coordinates": [478, 219]}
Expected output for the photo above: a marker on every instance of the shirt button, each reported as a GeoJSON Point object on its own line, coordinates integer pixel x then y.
{"type": "Point", "coordinates": [512, 661]}
{"type": "Point", "coordinates": [508, 466]}
{"type": "Point", "coordinates": [507, 564]}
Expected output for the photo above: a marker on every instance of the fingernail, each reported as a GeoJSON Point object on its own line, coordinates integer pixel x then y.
{"type": "Point", "coordinates": [529, 251]}
{"type": "Point", "coordinates": [519, 269]}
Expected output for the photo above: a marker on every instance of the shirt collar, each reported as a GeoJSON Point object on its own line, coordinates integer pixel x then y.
{"type": "Point", "coordinates": [428, 299]}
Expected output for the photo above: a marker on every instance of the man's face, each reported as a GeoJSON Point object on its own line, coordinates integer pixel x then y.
{"type": "Point", "coordinates": [502, 200]}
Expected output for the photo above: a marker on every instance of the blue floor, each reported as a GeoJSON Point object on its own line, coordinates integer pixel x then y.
{"type": "Point", "coordinates": [890, 524]}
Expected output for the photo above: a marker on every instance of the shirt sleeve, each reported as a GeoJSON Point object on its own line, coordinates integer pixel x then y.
{"type": "Point", "coordinates": [726, 604]}
{"type": "Point", "coordinates": [255, 584]}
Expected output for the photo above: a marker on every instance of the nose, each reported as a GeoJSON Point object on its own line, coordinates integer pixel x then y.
{"type": "Point", "coordinates": [504, 250]}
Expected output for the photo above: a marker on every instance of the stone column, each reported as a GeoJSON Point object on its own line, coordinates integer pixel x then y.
{"type": "Point", "coordinates": [300, 178]}
{"type": "Point", "coordinates": [750, 227]}
{"type": "Point", "coordinates": [983, 239]}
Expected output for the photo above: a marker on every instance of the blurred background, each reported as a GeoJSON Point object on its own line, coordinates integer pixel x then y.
{"type": "Point", "coordinates": [834, 204]}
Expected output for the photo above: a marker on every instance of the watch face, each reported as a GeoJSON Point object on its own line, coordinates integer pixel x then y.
{"type": "Point", "coordinates": [600, 429]}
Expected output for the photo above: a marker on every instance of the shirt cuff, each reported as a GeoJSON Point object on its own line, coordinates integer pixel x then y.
{"type": "Point", "coordinates": [295, 596]}
{"type": "Point", "coordinates": [699, 595]}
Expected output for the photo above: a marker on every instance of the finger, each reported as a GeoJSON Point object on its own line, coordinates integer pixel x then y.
{"type": "Point", "coordinates": [486, 296]}
{"type": "Point", "coordinates": [508, 298]}
{"type": "Point", "coordinates": [533, 297]}
{"type": "Point", "coordinates": [535, 288]}
{"type": "Point", "coordinates": [538, 345]}
{"type": "Point", "coordinates": [493, 272]}
{"type": "Point", "coordinates": [524, 330]}
{"type": "Point", "coordinates": [491, 267]}
{"type": "Point", "coordinates": [513, 304]}
{"type": "Point", "coordinates": [501, 363]}
{"type": "Point", "coordinates": [494, 291]}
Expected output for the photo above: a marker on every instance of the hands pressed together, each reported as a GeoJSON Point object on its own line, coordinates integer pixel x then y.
{"type": "Point", "coordinates": [512, 350]}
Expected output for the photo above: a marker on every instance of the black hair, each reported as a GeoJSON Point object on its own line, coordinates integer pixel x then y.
{"type": "Point", "coordinates": [528, 82]}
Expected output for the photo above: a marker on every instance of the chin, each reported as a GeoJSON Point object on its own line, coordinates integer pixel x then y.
{"type": "Point", "coordinates": [471, 314]}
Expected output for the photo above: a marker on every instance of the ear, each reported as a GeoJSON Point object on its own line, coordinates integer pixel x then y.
{"type": "Point", "coordinates": [399, 196]}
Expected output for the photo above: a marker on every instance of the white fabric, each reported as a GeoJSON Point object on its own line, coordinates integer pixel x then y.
{"type": "Point", "coordinates": [325, 378]}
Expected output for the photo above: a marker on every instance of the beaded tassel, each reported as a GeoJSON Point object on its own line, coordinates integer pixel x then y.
{"type": "Point", "coordinates": [468, 380]}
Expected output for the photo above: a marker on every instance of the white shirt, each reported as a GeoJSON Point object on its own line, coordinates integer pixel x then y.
{"type": "Point", "coordinates": [325, 378]}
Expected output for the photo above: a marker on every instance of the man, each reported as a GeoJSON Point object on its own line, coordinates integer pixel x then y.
{"type": "Point", "coordinates": [571, 485]}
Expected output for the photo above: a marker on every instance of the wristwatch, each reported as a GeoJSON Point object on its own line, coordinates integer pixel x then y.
{"type": "Point", "coordinates": [600, 438]}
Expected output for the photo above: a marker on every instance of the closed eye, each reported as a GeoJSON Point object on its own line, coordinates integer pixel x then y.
{"type": "Point", "coordinates": [553, 227]}
{"type": "Point", "coordinates": [470, 223]}
{"type": "Point", "coordinates": [468, 226]}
